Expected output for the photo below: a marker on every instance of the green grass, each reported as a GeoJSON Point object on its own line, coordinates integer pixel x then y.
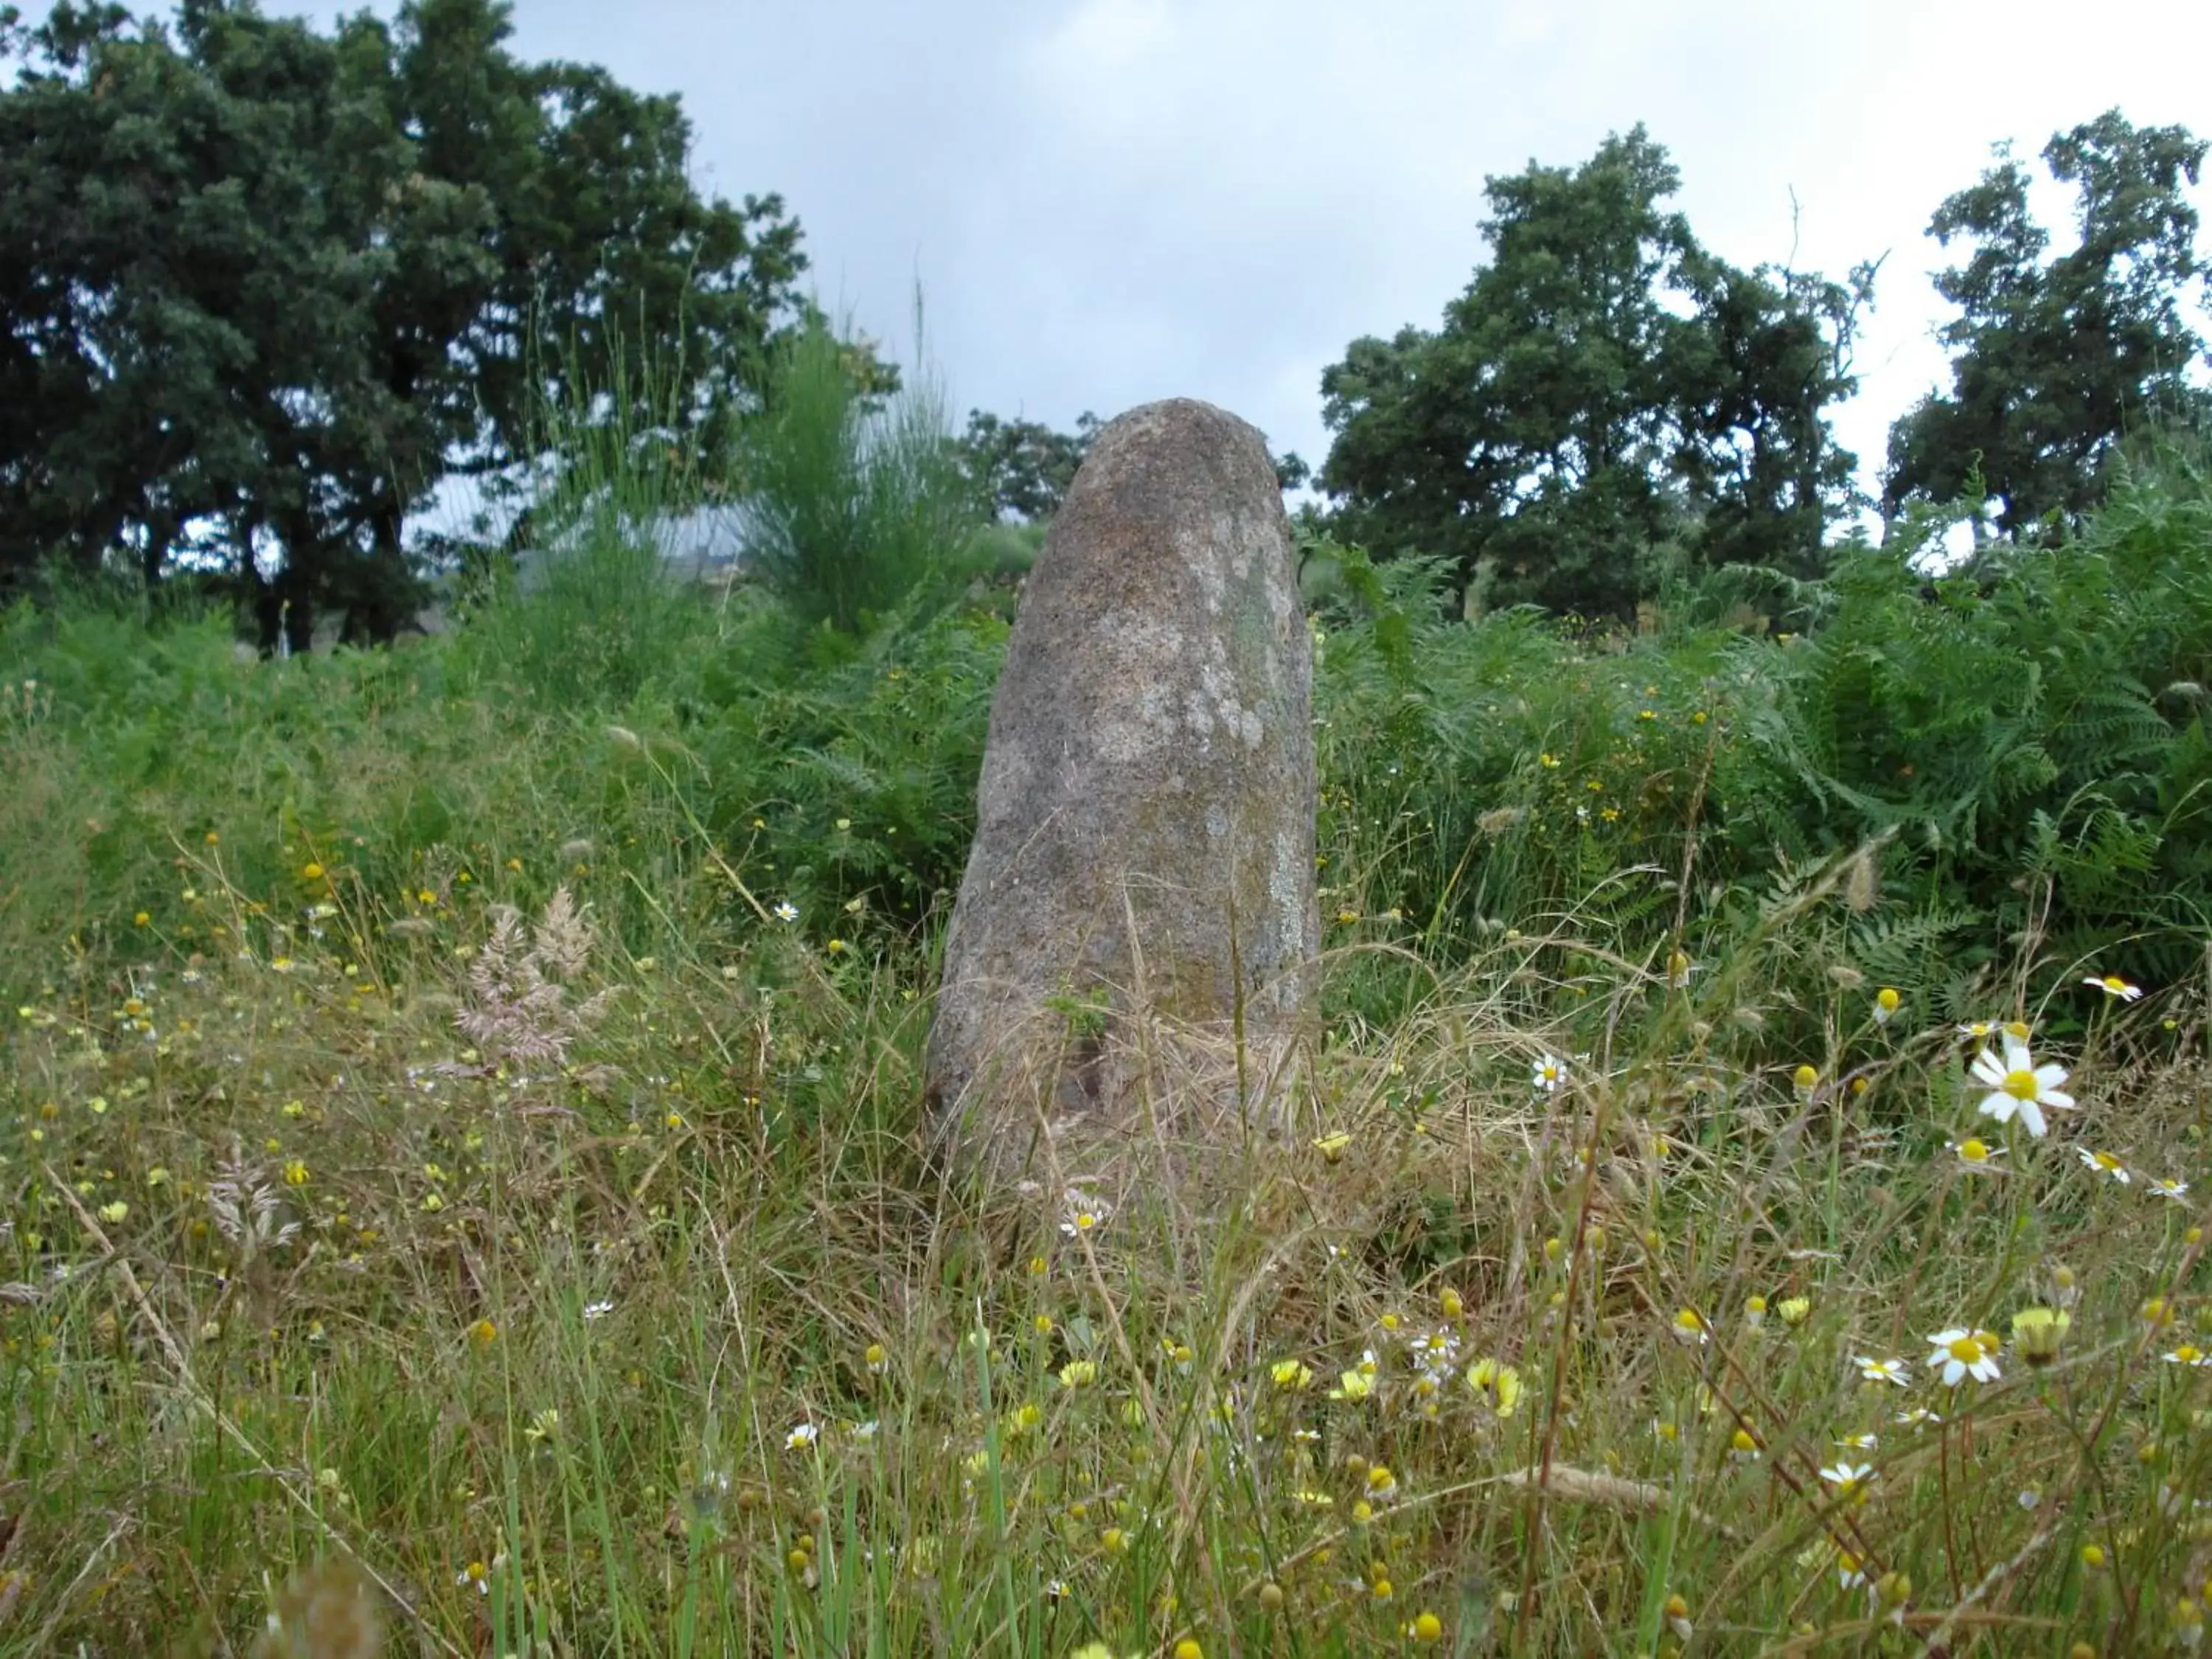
{"type": "Point", "coordinates": [443, 1207]}
{"type": "Point", "coordinates": [679, 1207]}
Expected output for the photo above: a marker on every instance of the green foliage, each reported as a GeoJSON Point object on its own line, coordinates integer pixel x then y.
{"type": "Point", "coordinates": [275, 282]}
{"type": "Point", "coordinates": [2057, 361]}
{"type": "Point", "coordinates": [1567, 421]}
{"type": "Point", "coordinates": [850, 512]}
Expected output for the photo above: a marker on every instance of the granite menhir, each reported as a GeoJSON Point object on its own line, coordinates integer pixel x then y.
{"type": "Point", "coordinates": [1131, 952]}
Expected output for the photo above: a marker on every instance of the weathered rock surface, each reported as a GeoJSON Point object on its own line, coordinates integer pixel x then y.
{"type": "Point", "coordinates": [1132, 950]}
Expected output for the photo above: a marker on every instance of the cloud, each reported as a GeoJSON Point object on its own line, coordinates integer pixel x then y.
{"type": "Point", "coordinates": [1108, 201]}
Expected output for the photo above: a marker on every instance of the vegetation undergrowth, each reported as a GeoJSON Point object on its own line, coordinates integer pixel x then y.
{"type": "Point", "coordinates": [458, 1129]}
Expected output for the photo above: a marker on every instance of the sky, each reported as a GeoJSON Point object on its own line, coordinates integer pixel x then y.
{"type": "Point", "coordinates": [1107, 201]}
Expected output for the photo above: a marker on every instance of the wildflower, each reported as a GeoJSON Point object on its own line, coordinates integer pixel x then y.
{"type": "Point", "coordinates": [1975, 1154]}
{"type": "Point", "coordinates": [1754, 1311]}
{"type": "Point", "coordinates": [1849, 1570]}
{"type": "Point", "coordinates": [543, 1427]}
{"type": "Point", "coordinates": [1805, 1078]}
{"type": "Point", "coordinates": [1892, 1371]}
{"type": "Point", "coordinates": [785, 911]}
{"type": "Point", "coordinates": [597, 1309]}
{"type": "Point", "coordinates": [1850, 1480]}
{"type": "Point", "coordinates": [1498, 1386]}
{"type": "Point", "coordinates": [311, 871]}
{"type": "Point", "coordinates": [296, 1174]}
{"type": "Point", "coordinates": [1447, 1300]}
{"type": "Point", "coordinates": [1547, 1073]}
{"type": "Point", "coordinates": [2113, 985]}
{"type": "Point", "coordinates": [1690, 1326]}
{"type": "Point", "coordinates": [803, 1436]}
{"type": "Point", "coordinates": [1381, 1485]}
{"type": "Point", "coordinates": [1918, 1417]}
{"type": "Point", "coordinates": [1743, 1446]}
{"type": "Point", "coordinates": [1353, 1385]}
{"type": "Point", "coordinates": [2159, 1187]}
{"type": "Point", "coordinates": [483, 1334]}
{"type": "Point", "coordinates": [1187, 1648]}
{"type": "Point", "coordinates": [876, 1359]}
{"type": "Point", "coordinates": [1961, 1352]}
{"type": "Point", "coordinates": [2105, 1163]}
{"type": "Point", "coordinates": [142, 919]}
{"type": "Point", "coordinates": [1078, 1374]}
{"type": "Point", "coordinates": [476, 1575]}
{"type": "Point", "coordinates": [1677, 1613]}
{"type": "Point", "coordinates": [1289, 1375]}
{"type": "Point", "coordinates": [2189, 1354]}
{"type": "Point", "coordinates": [112, 1214]}
{"type": "Point", "coordinates": [836, 947]}
{"type": "Point", "coordinates": [1426, 1628]}
{"type": "Point", "coordinates": [2018, 1086]}
{"type": "Point", "coordinates": [1679, 969]}
{"type": "Point", "coordinates": [1794, 1309]}
{"type": "Point", "coordinates": [1331, 1147]}
{"type": "Point", "coordinates": [1886, 1003]}
{"type": "Point", "coordinates": [1980, 1030]}
{"type": "Point", "coordinates": [1858, 1442]}
{"type": "Point", "coordinates": [1085, 1214]}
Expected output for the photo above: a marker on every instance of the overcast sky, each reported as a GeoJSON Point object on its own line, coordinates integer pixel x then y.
{"type": "Point", "coordinates": [1111, 201]}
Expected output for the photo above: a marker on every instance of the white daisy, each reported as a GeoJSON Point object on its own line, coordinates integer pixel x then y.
{"type": "Point", "coordinates": [1848, 1479]}
{"type": "Point", "coordinates": [1880, 1370]}
{"type": "Point", "coordinates": [1960, 1353]}
{"type": "Point", "coordinates": [2104, 1163]}
{"type": "Point", "coordinates": [2159, 1187]}
{"type": "Point", "coordinates": [2113, 985]}
{"type": "Point", "coordinates": [2018, 1086]}
{"type": "Point", "coordinates": [1547, 1073]}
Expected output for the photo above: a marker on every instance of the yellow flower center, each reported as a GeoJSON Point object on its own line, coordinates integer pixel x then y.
{"type": "Point", "coordinates": [1974, 1152]}
{"type": "Point", "coordinates": [1967, 1350]}
{"type": "Point", "coordinates": [2020, 1083]}
{"type": "Point", "coordinates": [2114, 984]}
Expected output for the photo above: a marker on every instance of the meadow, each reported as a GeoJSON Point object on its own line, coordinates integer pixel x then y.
{"type": "Point", "coordinates": [458, 1117]}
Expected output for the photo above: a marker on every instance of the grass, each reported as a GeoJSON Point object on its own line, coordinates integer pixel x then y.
{"type": "Point", "coordinates": [461, 1188]}
{"type": "Point", "coordinates": [596, 1300]}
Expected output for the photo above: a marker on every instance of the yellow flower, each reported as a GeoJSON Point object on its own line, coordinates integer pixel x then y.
{"type": "Point", "coordinates": [1690, 1325]}
{"type": "Point", "coordinates": [483, 1333]}
{"type": "Point", "coordinates": [311, 871]}
{"type": "Point", "coordinates": [142, 919]}
{"type": "Point", "coordinates": [1805, 1077]}
{"type": "Point", "coordinates": [2037, 1333]}
{"type": "Point", "coordinates": [295, 1174]}
{"type": "Point", "coordinates": [836, 947]}
{"type": "Point", "coordinates": [1352, 1385]}
{"type": "Point", "coordinates": [1331, 1147]}
{"type": "Point", "coordinates": [1793, 1308]}
{"type": "Point", "coordinates": [1498, 1386]}
{"type": "Point", "coordinates": [1078, 1374]}
{"type": "Point", "coordinates": [1289, 1375]}
{"type": "Point", "coordinates": [1426, 1628]}
{"type": "Point", "coordinates": [1885, 1003]}
{"type": "Point", "coordinates": [114, 1212]}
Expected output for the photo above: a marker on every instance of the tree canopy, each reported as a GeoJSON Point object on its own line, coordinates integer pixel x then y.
{"type": "Point", "coordinates": [2056, 361]}
{"type": "Point", "coordinates": [263, 287]}
{"type": "Point", "coordinates": [1604, 389]}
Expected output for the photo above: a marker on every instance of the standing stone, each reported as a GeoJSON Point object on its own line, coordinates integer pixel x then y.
{"type": "Point", "coordinates": [1131, 952]}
